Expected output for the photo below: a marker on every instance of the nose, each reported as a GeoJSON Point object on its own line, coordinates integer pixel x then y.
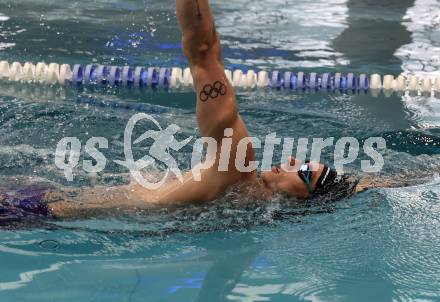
{"type": "Point", "coordinates": [292, 162]}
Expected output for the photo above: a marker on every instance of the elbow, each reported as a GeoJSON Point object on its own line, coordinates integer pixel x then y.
{"type": "Point", "coordinates": [227, 118]}
{"type": "Point", "coordinates": [224, 119]}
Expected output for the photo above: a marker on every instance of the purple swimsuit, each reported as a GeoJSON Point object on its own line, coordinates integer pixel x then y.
{"type": "Point", "coordinates": [24, 202]}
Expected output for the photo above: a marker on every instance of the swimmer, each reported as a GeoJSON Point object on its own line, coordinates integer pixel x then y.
{"type": "Point", "coordinates": [216, 110]}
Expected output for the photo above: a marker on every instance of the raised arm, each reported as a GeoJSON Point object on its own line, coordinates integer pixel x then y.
{"type": "Point", "coordinates": [216, 104]}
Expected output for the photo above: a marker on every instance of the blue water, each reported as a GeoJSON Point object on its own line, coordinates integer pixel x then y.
{"type": "Point", "coordinates": [382, 245]}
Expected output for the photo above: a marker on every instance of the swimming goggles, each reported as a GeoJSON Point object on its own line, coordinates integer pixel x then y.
{"type": "Point", "coordinates": [306, 176]}
{"type": "Point", "coordinates": [305, 173]}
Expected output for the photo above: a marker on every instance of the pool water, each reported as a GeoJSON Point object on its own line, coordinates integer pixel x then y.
{"type": "Point", "coordinates": [382, 245]}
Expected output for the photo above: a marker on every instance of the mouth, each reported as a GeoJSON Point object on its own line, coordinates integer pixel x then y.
{"type": "Point", "coordinates": [276, 170]}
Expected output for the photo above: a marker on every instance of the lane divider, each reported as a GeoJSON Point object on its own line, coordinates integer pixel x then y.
{"type": "Point", "coordinates": [168, 78]}
{"type": "Point", "coordinates": [50, 93]}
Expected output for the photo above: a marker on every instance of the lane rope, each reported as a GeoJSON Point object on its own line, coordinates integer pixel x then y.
{"type": "Point", "coordinates": [170, 78]}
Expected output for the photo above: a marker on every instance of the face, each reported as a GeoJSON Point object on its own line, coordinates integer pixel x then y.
{"type": "Point", "coordinates": [285, 178]}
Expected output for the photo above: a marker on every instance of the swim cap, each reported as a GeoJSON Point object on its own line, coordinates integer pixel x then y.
{"type": "Point", "coordinates": [333, 187]}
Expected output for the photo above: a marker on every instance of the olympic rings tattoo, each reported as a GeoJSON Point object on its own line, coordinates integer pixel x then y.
{"type": "Point", "coordinates": [212, 91]}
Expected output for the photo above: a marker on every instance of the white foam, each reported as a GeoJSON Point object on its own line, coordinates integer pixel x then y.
{"type": "Point", "coordinates": [3, 18]}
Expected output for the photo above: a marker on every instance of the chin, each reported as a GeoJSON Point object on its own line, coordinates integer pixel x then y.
{"type": "Point", "coordinates": [270, 185]}
{"type": "Point", "coordinates": [265, 176]}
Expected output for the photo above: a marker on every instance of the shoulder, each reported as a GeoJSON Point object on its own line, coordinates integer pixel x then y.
{"type": "Point", "coordinates": [397, 180]}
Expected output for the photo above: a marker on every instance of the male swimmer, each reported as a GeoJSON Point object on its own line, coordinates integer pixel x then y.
{"type": "Point", "coordinates": [215, 113]}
